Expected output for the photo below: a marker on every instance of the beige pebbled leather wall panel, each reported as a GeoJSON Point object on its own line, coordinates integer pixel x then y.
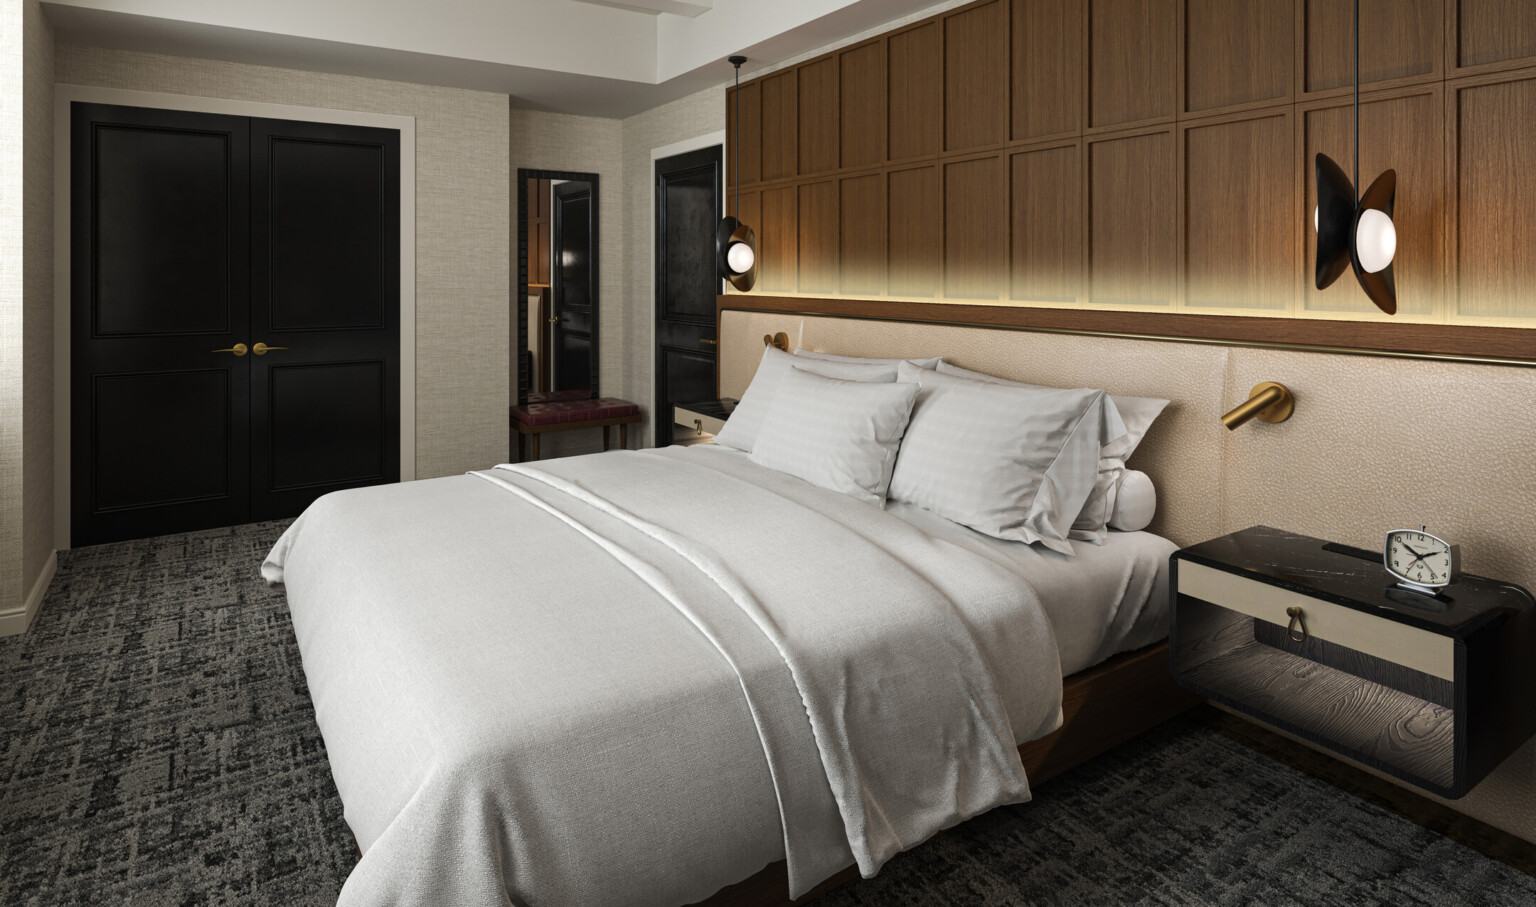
{"type": "Point", "coordinates": [1375, 444]}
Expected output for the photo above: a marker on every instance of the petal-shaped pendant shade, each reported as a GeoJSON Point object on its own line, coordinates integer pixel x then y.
{"type": "Point", "coordinates": [1380, 286]}
{"type": "Point", "coordinates": [733, 232]}
{"type": "Point", "coordinates": [1338, 223]}
{"type": "Point", "coordinates": [1335, 221]}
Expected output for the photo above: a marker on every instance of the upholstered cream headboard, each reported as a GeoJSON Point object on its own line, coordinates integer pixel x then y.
{"type": "Point", "coordinates": [1375, 444]}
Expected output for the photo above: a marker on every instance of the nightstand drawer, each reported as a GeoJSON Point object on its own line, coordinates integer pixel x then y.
{"type": "Point", "coordinates": [1396, 642]}
{"type": "Point", "coordinates": [700, 421]}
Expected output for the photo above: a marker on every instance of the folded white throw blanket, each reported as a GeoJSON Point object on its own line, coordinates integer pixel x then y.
{"type": "Point", "coordinates": [636, 677]}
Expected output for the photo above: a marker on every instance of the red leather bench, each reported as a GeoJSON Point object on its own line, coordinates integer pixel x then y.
{"type": "Point", "coordinates": [558, 411]}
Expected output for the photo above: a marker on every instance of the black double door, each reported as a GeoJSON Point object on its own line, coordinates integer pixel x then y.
{"type": "Point", "coordinates": [687, 281]}
{"type": "Point", "coordinates": [235, 324]}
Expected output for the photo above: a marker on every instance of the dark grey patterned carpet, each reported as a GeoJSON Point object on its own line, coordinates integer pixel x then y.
{"type": "Point", "coordinates": [159, 748]}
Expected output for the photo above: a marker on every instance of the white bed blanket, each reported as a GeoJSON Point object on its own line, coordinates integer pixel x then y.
{"type": "Point", "coordinates": [635, 677]}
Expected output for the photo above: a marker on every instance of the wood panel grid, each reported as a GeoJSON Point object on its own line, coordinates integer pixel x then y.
{"type": "Point", "coordinates": [1401, 43]}
{"type": "Point", "coordinates": [1239, 250]}
{"type": "Point", "coordinates": [1149, 155]}
{"type": "Point", "coordinates": [1131, 189]}
{"type": "Point", "coordinates": [820, 139]}
{"type": "Point", "coordinates": [1046, 224]}
{"type": "Point", "coordinates": [1256, 34]}
{"type": "Point", "coordinates": [1490, 127]}
{"type": "Point", "coordinates": [861, 105]}
{"type": "Point", "coordinates": [1049, 38]}
{"type": "Point", "coordinates": [1134, 47]}
{"type": "Point", "coordinates": [862, 234]}
{"type": "Point", "coordinates": [975, 228]}
{"type": "Point", "coordinates": [976, 107]}
{"type": "Point", "coordinates": [1489, 35]}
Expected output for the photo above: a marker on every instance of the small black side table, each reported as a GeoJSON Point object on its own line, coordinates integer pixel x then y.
{"type": "Point", "coordinates": [1315, 638]}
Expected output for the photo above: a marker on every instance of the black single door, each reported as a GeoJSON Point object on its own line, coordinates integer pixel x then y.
{"type": "Point", "coordinates": [573, 287]}
{"type": "Point", "coordinates": [160, 297]}
{"type": "Point", "coordinates": [325, 295]}
{"type": "Point", "coordinates": [687, 282]}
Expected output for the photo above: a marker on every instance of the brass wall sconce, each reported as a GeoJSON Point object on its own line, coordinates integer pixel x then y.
{"type": "Point", "coordinates": [1269, 402]}
{"type": "Point", "coordinates": [778, 341]}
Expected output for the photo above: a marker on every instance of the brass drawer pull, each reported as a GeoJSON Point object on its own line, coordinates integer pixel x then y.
{"type": "Point", "coordinates": [1297, 618]}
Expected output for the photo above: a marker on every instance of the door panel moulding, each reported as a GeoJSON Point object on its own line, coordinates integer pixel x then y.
{"type": "Point", "coordinates": [65, 95]}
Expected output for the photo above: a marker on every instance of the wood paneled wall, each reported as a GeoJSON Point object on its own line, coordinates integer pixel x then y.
{"type": "Point", "coordinates": [1150, 155]}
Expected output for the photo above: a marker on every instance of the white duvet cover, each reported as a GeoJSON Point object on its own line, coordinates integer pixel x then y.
{"type": "Point", "coordinates": [636, 677]}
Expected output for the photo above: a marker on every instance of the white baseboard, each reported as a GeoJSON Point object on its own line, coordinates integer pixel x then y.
{"type": "Point", "coordinates": [15, 621]}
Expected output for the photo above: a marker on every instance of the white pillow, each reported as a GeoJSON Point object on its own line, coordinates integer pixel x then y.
{"type": "Point", "coordinates": [1135, 502]}
{"type": "Point", "coordinates": [1013, 462]}
{"type": "Point", "coordinates": [1092, 523]}
{"type": "Point", "coordinates": [833, 357]}
{"type": "Point", "coordinates": [841, 435]}
{"type": "Point", "coordinates": [741, 429]}
{"type": "Point", "coordinates": [1138, 414]}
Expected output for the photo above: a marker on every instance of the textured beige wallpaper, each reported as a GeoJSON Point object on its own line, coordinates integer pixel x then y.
{"type": "Point", "coordinates": [37, 315]}
{"type": "Point", "coordinates": [461, 226]}
{"type": "Point", "coordinates": [12, 245]}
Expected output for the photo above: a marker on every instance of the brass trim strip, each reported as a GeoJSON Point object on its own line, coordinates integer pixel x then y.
{"type": "Point", "coordinates": [1164, 338]}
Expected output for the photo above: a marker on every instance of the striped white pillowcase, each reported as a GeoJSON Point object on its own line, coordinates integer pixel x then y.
{"type": "Point", "coordinates": [1014, 462]}
{"type": "Point", "coordinates": [742, 428]}
{"type": "Point", "coordinates": [837, 434]}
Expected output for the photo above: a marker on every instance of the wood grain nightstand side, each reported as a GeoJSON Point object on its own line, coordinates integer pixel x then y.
{"type": "Point", "coordinates": [1315, 638]}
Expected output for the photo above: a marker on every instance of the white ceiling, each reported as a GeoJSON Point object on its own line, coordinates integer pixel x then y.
{"type": "Point", "coordinates": [609, 58]}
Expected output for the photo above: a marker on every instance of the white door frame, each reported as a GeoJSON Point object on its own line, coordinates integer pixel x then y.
{"type": "Point", "coordinates": [65, 94]}
{"type": "Point", "coordinates": [693, 144]}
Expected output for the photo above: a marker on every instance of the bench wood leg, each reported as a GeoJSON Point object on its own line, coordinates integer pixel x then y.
{"type": "Point", "coordinates": [624, 437]}
{"type": "Point", "coordinates": [535, 441]}
{"type": "Point", "coordinates": [521, 456]}
{"type": "Point", "coordinates": [606, 438]}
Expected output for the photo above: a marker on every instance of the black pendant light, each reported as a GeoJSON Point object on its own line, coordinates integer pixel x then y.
{"type": "Point", "coordinates": [1356, 228]}
{"type": "Point", "coordinates": [735, 243]}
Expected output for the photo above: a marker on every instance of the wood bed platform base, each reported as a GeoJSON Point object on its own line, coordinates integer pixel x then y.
{"type": "Point", "coordinates": [1103, 707]}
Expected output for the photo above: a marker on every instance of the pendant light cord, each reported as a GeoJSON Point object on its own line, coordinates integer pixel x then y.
{"type": "Point", "coordinates": [1357, 108]}
{"type": "Point", "coordinates": [738, 136]}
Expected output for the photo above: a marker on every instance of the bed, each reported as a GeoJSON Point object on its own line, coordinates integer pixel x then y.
{"type": "Point", "coordinates": [537, 686]}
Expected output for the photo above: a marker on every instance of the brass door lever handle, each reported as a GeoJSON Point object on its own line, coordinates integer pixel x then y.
{"type": "Point", "coordinates": [261, 349]}
{"type": "Point", "coordinates": [710, 342]}
{"type": "Point", "coordinates": [238, 349]}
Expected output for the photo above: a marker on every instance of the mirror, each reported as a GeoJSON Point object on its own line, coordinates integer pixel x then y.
{"type": "Point", "coordinates": [557, 302]}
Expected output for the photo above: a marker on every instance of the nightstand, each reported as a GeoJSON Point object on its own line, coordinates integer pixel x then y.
{"type": "Point", "coordinates": [700, 421]}
{"type": "Point", "coordinates": [1315, 638]}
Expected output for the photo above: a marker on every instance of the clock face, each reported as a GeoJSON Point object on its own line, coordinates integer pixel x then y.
{"type": "Point", "coordinates": [1420, 558]}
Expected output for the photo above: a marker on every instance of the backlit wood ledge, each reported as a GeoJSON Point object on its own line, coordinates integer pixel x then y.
{"type": "Point", "coordinates": [1506, 346]}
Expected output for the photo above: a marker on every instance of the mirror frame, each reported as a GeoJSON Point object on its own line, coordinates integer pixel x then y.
{"type": "Point", "coordinates": [524, 365]}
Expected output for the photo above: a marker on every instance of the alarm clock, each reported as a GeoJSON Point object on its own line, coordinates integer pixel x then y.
{"type": "Point", "coordinates": [1422, 562]}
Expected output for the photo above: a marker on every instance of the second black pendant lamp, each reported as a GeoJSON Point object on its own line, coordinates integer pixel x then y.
{"type": "Point", "coordinates": [735, 243]}
{"type": "Point", "coordinates": [1356, 229]}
